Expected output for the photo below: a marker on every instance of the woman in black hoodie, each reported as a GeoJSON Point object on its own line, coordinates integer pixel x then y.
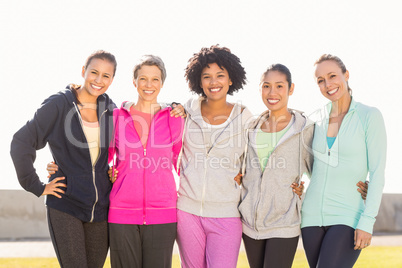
{"type": "Point", "coordinates": [77, 123]}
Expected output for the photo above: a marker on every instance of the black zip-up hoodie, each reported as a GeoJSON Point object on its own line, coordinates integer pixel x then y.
{"type": "Point", "coordinates": [58, 123]}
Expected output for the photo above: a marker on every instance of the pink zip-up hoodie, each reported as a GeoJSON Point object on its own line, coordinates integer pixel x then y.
{"type": "Point", "coordinates": [145, 189]}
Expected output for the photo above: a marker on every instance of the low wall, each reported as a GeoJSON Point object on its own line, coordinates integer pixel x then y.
{"type": "Point", "coordinates": [389, 217]}
{"type": "Point", "coordinates": [23, 215]}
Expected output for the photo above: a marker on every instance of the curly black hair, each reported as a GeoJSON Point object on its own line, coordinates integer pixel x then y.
{"type": "Point", "coordinates": [221, 56]}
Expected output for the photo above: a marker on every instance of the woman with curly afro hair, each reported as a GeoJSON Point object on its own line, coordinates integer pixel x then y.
{"type": "Point", "coordinates": [209, 228]}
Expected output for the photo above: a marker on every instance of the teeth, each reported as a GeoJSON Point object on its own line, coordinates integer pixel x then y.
{"type": "Point", "coordinates": [215, 89]}
{"type": "Point", "coordinates": [273, 101]}
{"type": "Point", "coordinates": [332, 91]}
{"type": "Point", "coordinates": [96, 87]}
{"type": "Point", "coordinates": [148, 91]}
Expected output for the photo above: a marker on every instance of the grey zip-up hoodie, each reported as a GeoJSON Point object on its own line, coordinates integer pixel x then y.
{"type": "Point", "coordinates": [269, 207]}
{"type": "Point", "coordinates": [207, 186]}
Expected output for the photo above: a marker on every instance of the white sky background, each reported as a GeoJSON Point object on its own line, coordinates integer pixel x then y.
{"type": "Point", "coordinates": [45, 43]}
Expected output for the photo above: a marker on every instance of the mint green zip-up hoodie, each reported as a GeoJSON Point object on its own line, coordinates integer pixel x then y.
{"type": "Point", "coordinates": [269, 207]}
{"type": "Point", "coordinates": [359, 149]}
{"type": "Point", "coordinates": [207, 186]}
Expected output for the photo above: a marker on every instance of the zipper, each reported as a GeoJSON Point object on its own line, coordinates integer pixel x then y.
{"type": "Point", "coordinates": [93, 165]}
{"type": "Point", "coordinates": [323, 192]}
{"type": "Point", "coordinates": [144, 214]}
{"type": "Point", "coordinates": [204, 186]}
{"type": "Point", "coordinates": [255, 133]}
{"type": "Point", "coordinates": [328, 162]}
{"type": "Point", "coordinates": [144, 221]}
{"type": "Point", "coordinates": [207, 155]}
{"type": "Point", "coordinates": [93, 168]}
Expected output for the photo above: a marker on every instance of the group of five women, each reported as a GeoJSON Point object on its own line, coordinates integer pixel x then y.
{"type": "Point", "coordinates": [239, 175]}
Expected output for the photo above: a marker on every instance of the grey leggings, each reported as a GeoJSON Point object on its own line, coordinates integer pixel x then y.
{"type": "Point", "coordinates": [77, 243]}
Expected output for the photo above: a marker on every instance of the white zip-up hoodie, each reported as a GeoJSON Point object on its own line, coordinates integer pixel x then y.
{"type": "Point", "coordinates": [269, 207]}
{"type": "Point", "coordinates": [207, 186]}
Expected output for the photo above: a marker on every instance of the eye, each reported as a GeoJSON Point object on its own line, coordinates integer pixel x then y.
{"type": "Point", "coordinates": [156, 79]}
{"type": "Point", "coordinates": [332, 76]}
{"type": "Point", "coordinates": [319, 81]}
{"type": "Point", "coordinates": [142, 78]}
{"type": "Point", "coordinates": [93, 72]}
{"type": "Point", "coordinates": [265, 86]}
{"type": "Point", "coordinates": [205, 77]}
{"type": "Point", "coordinates": [106, 76]}
{"type": "Point", "coordinates": [280, 86]}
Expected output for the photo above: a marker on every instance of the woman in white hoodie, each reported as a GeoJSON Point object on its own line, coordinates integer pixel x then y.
{"type": "Point", "coordinates": [208, 221]}
{"type": "Point", "coordinates": [277, 155]}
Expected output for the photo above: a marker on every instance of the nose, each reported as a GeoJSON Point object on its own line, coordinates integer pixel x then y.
{"type": "Point", "coordinates": [271, 91]}
{"type": "Point", "coordinates": [327, 83]}
{"type": "Point", "coordinates": [212, 81]}
{"type": "Point", "coordinates": [98, 79]}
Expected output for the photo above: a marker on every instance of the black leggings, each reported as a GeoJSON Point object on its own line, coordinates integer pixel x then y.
{"type": "Point", "coordinates": [330, 246]}
{"type": "Point", "coordinates": [77, 243]}
{"type": "Point", "coordinates": [273, 252]}
{"type": "Point", "coordinates": [146, 246]}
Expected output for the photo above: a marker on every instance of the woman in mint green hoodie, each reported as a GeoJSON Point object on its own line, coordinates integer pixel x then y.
{"type": "Point", "coordinates": [349, 142]}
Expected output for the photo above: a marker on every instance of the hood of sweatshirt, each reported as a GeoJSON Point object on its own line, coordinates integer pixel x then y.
{"type": "Point", "coordinates": [193, 108]}
{"type": "Point", "coordinates": [300, 121]}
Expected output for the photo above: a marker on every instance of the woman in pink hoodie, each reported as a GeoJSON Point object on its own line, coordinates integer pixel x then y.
{"type": "Point", "coordinates": [147, 143]}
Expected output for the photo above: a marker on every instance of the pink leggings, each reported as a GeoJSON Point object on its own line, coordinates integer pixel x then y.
{"type": "Point", "coordinates": [208, 242]}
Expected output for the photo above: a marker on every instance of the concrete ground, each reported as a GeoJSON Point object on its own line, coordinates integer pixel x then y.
{"type": "Point", "coordinates": [44, 249]}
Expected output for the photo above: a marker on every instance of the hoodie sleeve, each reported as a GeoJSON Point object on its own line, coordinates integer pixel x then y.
{"type": "Point", "coordinates": [176, 125]}
{"type": "Point", "coordinates": [112, 144]}
{"type": "Point", "coordinates": [308, 149]}
{"type": "Point", "coordinates": [30, 138]}
{"type": "Point", "coordinates": [376, 143]}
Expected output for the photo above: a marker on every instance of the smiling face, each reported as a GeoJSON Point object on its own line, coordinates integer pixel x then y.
{"type": "Point", "coordinates": [215, 82]}
{"type": "Point", "coordinates": [148, 83]}
{"type": "Point", "coordinates": [275, 91]}
{"type": "Point", "coordinates": [98, 76]}
{"type": "Point", "coordinates": [331, 81]}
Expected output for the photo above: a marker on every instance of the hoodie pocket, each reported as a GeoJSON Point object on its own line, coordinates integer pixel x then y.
{"type": "Point", "coordinates": [161, 191]}
{"type": "Point", "coordinates": [127, 192]}
{"type": "Point", "coordinates": [81, 189]}
{"type": "Point", "coordinates": [104, 186]}
{"type": "Point", "coordinates": [246, 209]}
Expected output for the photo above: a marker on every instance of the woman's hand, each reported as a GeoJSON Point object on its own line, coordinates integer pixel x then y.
{"type": "Point", "coordinates": [110, 173]}
{"type": "Point", "coordinates": [52, 188]}
{"type": "Point", "coordinates": [178, 110]}
{"type": "Point", "coordinates": [238, 178]}
{"type": "Point", "coordinates": [51, 168]}
{"type": "Point", "coordinates": [362, 239]}
{"type": "Point", "coordinates": [298, 189]}
{"type": "Point", "coordinates": [363, 187]}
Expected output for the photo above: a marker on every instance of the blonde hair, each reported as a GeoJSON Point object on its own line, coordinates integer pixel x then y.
{"type": "Point", "coordinates": [338, 61]}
